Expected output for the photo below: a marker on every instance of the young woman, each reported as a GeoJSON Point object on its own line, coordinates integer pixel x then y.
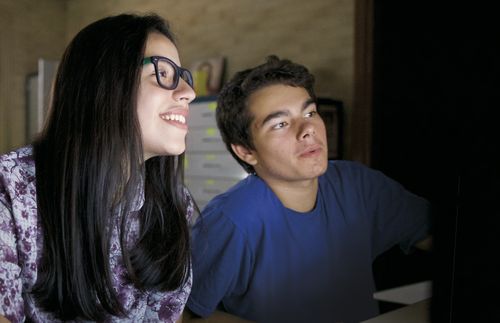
{"type": "Point", "coordinates": [93, 214]}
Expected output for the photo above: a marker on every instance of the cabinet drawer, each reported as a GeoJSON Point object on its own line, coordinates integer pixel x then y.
{"type": "Point", "coordinates": [205, 189]}
{"type": "Point", "coordinates": [213, 165]}
{"type": "Point", "coordinates": [206, 139]}
{"type": "Point", "coordinates": [202, 114]}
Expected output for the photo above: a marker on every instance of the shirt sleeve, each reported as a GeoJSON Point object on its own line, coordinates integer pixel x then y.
{"type": "Point", "coordinates": [11, 301]}
{"type": "Point", "coordinates": [221, 262]}
{"type": "Point", "coordinates": [399, 216]}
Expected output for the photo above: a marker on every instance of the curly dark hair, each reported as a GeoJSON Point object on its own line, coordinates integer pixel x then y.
{"type": "Point", "coordinates": [232, 113]}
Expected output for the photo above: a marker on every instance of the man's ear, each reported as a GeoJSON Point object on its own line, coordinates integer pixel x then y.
{"type": "Point", "coordinates": [245, 154]}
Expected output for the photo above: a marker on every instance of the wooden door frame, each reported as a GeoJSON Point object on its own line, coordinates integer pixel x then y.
{"type": "Point", "coordinates": [361, 114]}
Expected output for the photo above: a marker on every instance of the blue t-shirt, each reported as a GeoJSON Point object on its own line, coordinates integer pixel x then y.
{"type": "Point", "coordinates": [255, 258]}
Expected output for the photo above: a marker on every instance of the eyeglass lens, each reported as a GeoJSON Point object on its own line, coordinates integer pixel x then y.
{"type": "Point", "coordinates": [167, 74]}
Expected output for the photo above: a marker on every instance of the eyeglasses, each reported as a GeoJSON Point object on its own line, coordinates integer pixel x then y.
{"type": "Point", "coordinates": [168, 73]}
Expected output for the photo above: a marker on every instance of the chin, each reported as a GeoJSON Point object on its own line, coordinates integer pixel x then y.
{"type": "Point", "coordinates": [321, 167]}
{"type": "Point", "coordinates": [171, 151]}
{"type": "Point", "coordinates": [175, 152]}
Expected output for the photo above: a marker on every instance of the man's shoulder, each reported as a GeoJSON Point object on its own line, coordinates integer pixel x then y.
{"type": "Point", "coordinates": [241, 196]}
{"type": "Point", "coordinates": [245, 205]}
{"type": "Point", "coordinates": [338, 169]}
{"type": "Point", "coordinates": [342, 164]}
{"type": "Point", "coordinates": [345, 174]}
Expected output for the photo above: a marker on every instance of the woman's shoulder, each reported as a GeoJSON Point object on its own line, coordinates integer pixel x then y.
{"type": "Point", "coordinates": [18, 220]}
{"type": "Point", "coordinates": [19, 153]}
{"type": "Point", "coordinates": [20, 158]}
{"type": "Point", "coordinates": [17, 168]}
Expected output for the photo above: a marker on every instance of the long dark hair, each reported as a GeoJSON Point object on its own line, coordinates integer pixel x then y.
{"type": "Point", "coordinates": [90, 171]}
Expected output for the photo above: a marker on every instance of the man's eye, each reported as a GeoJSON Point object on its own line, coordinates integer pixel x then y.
{"type": "Point", "coordinates": [311, 114]}
{"type": "Point", "coordinates": [280, 125]}
{"type": "Point", "coordinates": [163, 74]}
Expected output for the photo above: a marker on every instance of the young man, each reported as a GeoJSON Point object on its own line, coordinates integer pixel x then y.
{"type": "Point", "coordinates": [295, 240]}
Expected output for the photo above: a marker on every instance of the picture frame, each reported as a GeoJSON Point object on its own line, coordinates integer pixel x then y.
{"type": "Point", "coordinates": [331, 111]}
{"type": "Point", "coordinates": [208, 75]}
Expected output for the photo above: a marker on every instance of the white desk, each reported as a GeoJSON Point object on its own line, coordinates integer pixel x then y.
{"type": "Point", "coordinates": [415, 313]}
{"type": "Point", "coordinates": [415, 296]}
{"type": "Point", "coordinates": [407, 294]}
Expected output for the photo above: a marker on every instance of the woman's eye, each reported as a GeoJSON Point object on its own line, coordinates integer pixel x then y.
{"type": "Point", "coordinates": [162, 74]}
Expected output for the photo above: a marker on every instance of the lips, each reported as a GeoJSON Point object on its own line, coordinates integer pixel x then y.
{"type": "Point", "coordinates": [311, 151]}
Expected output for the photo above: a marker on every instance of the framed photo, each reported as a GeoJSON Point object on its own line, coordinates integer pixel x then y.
{"type": "Point", "coordinates": [208, 75]}
{"type": "Point", "coordinates": [332, 113]}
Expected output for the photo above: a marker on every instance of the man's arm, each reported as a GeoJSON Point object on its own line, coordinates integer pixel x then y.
{"type": "Point", "coordinates": [221, 263]}
{"type": "Point", "coordinates": [3, 319]}
{"type": "Point", "coordinates": [216, 317]}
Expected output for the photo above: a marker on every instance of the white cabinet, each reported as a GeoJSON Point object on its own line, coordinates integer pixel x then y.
{"type": "Point", "coordinates": [209, 167]}
{"type": "Point", "coordinates": [38, 86]}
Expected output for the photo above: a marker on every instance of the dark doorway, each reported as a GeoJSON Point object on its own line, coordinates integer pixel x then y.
{"type": "Point", "coordinates": [435, 94]}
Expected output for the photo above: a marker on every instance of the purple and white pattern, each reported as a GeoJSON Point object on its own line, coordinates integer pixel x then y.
{"type": "Point", "coordinates": [21, 243]}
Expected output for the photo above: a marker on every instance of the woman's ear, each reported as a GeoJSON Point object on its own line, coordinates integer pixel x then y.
{"type": "Point", "coordinates": [245, 154]}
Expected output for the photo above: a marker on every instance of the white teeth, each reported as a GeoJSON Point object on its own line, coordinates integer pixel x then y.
{"type": "Point", "coordinates": [174, 117]}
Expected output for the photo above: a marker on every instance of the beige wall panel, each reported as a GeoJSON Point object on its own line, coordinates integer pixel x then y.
{"type": "Point", "coordinates": [316, 33]}
{"type": "Point", "coordinates": [28, 30]}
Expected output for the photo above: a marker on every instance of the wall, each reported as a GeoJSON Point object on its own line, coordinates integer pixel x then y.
{"type": "Point", "coordinates": [316, 33]}
{"type": "Point", "coordinates": [28, 30]}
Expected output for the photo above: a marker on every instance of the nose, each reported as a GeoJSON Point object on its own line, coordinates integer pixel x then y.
{"type": "Point", "coordinates": [184, 92]}
{"type": "Point", "coordinates": [306, 130]}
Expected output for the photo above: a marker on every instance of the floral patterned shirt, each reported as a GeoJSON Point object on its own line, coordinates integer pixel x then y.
{"type": "Point", "coordinates": [21, 242]}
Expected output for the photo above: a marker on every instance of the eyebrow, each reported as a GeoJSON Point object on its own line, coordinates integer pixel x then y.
{"type": "Point", "coordinates": [282, 113]}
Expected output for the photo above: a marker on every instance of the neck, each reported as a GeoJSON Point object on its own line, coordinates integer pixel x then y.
{"type": "Point", "coordinates": [297, 196]}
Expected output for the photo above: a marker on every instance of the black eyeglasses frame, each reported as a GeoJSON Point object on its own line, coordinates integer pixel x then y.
{"type": "Point", "coordinates": [179, 72]}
